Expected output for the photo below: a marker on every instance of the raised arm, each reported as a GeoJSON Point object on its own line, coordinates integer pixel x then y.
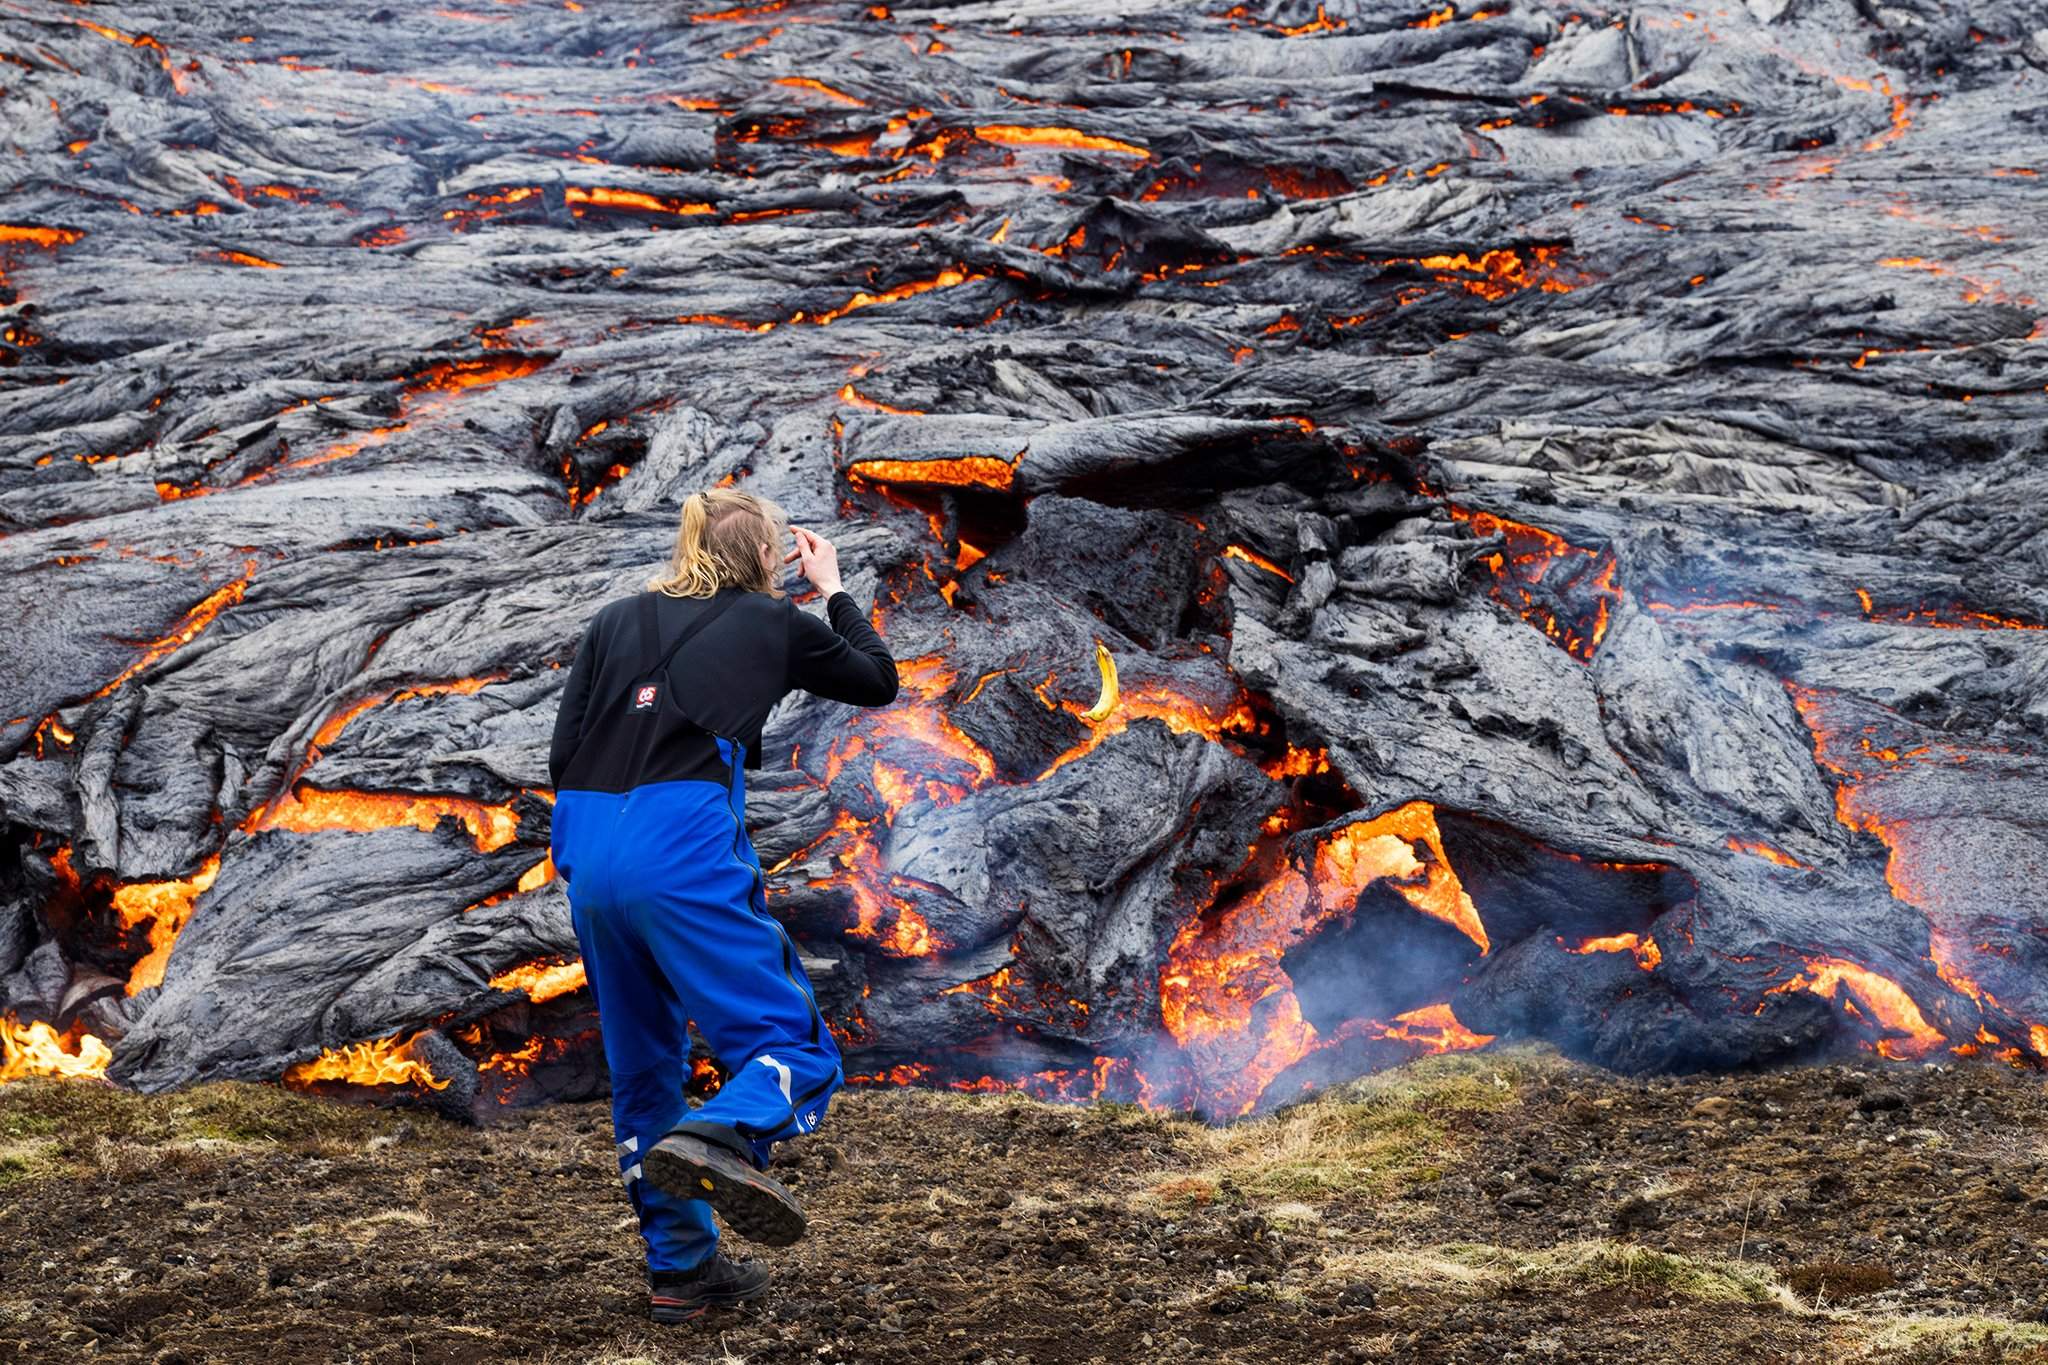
{"type": "Point", "coordinates": [846, 660]}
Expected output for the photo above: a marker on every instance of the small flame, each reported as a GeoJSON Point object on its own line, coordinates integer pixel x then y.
{"type": "Point", "coordinates": [543, 980]}
{"type": "Point", "coordinates": [383, 1061]}
{"type": "Point", "coordinates": [36, 1049]}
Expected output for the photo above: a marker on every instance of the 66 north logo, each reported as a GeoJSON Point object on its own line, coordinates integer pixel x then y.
{"type": "Point", "coordinates": [643, 698]}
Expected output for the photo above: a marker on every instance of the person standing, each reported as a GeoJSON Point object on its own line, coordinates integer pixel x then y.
{"type": "Point", "coordinates": [661, 715]}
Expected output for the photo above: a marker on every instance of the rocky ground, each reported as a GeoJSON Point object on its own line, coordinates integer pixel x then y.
{"type": "Point", "coordinates": [1490, 1207]}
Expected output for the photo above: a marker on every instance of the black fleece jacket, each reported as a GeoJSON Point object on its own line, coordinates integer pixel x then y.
{"type": "Point", "coordinates": [611, 736]}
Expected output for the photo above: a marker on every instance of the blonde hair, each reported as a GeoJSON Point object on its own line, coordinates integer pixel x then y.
{"type": "Point", "coordinates": [718, 545]}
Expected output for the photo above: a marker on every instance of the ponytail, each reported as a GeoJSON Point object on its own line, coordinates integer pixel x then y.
{"type": "Point", "coordinates": [718, 545]}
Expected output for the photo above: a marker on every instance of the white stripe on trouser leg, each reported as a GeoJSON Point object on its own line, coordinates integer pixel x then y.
{"type": "Point", "coordinates": [633, 1173]}
{"type": "Point", "coordinates": [781, 1074]}
{"type": "Point", "coordinates": [628, 1147]}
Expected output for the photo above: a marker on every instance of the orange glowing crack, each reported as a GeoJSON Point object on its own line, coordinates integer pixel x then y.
{"type": "Point", "coordinates": [1434, 1026]}
{"type": "Point", "coordinates": [945, 279]}
{"type": "Point", "coordinates": [543, 980]}
{"type": "Point", "coordinates": [1646, 951]}
{"type": "Point", "coordinates": [1880, 996]}
{"type": "Point", "coordinates": [849, 395]}
{"type": "Point", "coordinates": [187, 630]}
{"type": "Point", "coordinates": [37, 1049]}
{"type": "Point", "coordinates": [336, 723]}
{"type": "Point", "coordinates": [605, 197]}
{"type": "Point", "coordinates": [383, 1061]}
{"type": "Point", "coordinates": [806, 83]}
{"type": "Point", "coordinates": [307, 810]}
{"type": "Point", "coordinates": [1525, 565]}
{"type": "Point", "coordinates": [1757, 849]}
{"type": "Point", "coordinates": [1019, 135]}
{"type": "Point", "coordinates": [1496, 274]}
{"type": "Point", "coordinates": [164, 907]}
{"type": "Point", "coordinates": [1254, 558]}
{"type": "Point", "coordinates": [244, 258]}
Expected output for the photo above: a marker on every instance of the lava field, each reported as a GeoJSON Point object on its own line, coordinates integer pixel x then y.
{"type": "Point", "coordinates": [1403, 526]}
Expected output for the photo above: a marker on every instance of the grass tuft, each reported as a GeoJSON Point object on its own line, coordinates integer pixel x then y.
{"type": "Point", "coordinates": [1374, 1136]}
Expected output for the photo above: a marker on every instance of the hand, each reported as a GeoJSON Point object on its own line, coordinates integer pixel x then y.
{"type": "Point", "coordinates": [816, 560]}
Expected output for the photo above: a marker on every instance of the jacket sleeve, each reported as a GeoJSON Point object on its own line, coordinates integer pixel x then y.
{"type": "Point", "coordinates": [575, 701]}
{"type": "Point", "coordinates": [844, 661]}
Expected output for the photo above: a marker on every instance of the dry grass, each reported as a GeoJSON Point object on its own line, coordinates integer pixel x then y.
{"type": "Point", "coordinates": [50, 1127]}
{"type": "Point", "coordinates": [1470, 1270]}
{"type": "Point", "coordinates": [1917, 1339]}
{"type": "Point", "coordinates": [1373, 1136]}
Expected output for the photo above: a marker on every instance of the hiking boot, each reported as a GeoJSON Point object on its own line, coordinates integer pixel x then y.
{"type": "Point", "coordinates": [679, 1295]}
{"type": "Point", "coordinates": [759, 1209]}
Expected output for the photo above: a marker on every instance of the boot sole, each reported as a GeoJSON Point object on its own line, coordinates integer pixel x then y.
{"type": "Point", "coordinates": [751, 1204]}
{"type": "Point", "coordinates": [669, 1312]}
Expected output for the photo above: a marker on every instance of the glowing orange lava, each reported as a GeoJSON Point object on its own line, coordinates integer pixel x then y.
{"type": "Point", "coordinates": [305, 810]}
{"type": "Point", "coordinates": [1017, 135]}
{"type": "Point", "coordinates": [187, 630]}
{"type": "Point", "coordinates": [164, 907]}
{"type": "Point", "coordinates": [1880, 997]}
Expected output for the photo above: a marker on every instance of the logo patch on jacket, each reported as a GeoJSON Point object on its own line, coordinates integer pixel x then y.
{"type": "Point", "coordinates": [644, 697]}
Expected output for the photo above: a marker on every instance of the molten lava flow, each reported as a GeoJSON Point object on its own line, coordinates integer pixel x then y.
{"type": "Point", "coordinates": [962, 471]}
{"type": "Point", "coordinates": [425, 394]}
{"type": "Point", "coordinates": [1117, 706]}
{"type": "Point", "coordinates": [1941, 618]}
{"type": "Point", "coordinates": [1880, 997]}
{"type": "Point", "coordinates": [305, 810]}
{"type": "Point", "coordinates": [36, 1049]}
{"type": "Point", "coordinates": [1756, 849]}
{"type": "Point", "coordinates": [336, 723]}
{"type": "Point", "coordinates": [382, 1061]}
{"type": "Point", "coordinates": [1017, 135]}
{"type": "Point", "coordinates": [1646, 951]}
{"type": "Point", "coordinates": [164, 907]}
{"type": "Point", "coordinates": [806, 83]}
{"type": "Point", "coordinates": [187, 630]}
{"type": "Point", "coordinates": [853, 397]}
{"type": "Point", "coordinates": [1433, 1026]}
{"type": "Point", "coordinates": [1525, 569]}
{"type": "Point", "coordinates": [945, 279]}
{"type": "Point", "coordinates": [49, 238]}
{"type": "Point", "coordinates": [1254, 558]}
{"type": "Point", "coordinates": [1365, 851]}
{"type": "Point", "coordinates": [580, 198]}
{"type": "Point", "coordinates": [543, 980]}
{"type": "Point", "coordinates": [1223, 995]}
{"type": "Point", "coordinates": [1494, 275]}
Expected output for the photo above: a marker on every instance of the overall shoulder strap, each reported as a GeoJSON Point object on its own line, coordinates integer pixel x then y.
{"type": "Point", "coordinates": [714, 609]}
{"type": "Point", "coordinates": [650, 633]}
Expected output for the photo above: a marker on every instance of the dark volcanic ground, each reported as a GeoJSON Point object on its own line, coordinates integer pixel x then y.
{"type": "Point", "coordinates": [1490, 1208]}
